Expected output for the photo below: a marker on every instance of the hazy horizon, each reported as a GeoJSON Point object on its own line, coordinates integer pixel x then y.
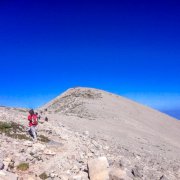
{"type": "Point", "coordinates": [171, 112]}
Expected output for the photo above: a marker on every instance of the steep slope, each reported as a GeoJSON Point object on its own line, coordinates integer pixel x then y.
{"type": "Point", "coordinates": [116, 119]}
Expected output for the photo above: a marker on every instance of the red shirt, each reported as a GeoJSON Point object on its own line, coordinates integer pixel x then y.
{"type": "Point", "coordinates": [32, 120]}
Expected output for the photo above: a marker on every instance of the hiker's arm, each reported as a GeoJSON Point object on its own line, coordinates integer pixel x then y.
{"type": "Point", "coordinates": [29, 119]}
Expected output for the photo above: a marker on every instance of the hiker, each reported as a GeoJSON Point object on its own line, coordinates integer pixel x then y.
{"type": "Point", "coordinates": [32, 118]}
{"type": "Point", "coordinates": [46, 119]}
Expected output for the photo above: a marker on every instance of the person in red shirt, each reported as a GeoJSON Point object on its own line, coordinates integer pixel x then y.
{"type": "Point", "coordinates": [32, 123]}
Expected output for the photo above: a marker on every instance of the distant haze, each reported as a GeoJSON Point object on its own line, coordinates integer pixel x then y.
{"type": "Point", "coordinates": [172, 112]}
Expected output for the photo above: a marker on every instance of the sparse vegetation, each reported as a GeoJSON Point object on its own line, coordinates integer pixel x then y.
{"type": "Point", "coordinates": [21, 110]}
{"type": "Point", "coordinates": [67, 103]}
{"type": "Point", "coordinates": [43, 139]}
{"type": "Point", "coordinates": [14, 130]}
{"type": "Point", "coordinates": [5, 125]}
{"type": "Point", "coordinates": [18, 131]}
{"type": "Point", "coordinates": [31, 154]}
{"type": "Point", "coordinates": [23, 166]}
{"type": "Point", "coordinates": [43, 176]}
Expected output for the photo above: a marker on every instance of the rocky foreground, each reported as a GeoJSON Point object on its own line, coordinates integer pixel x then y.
{"type": "Point", "coordinates": [61, 153]}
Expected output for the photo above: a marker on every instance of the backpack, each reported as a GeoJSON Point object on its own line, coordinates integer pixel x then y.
{"type": "Point", "coordinates": [34, 120]}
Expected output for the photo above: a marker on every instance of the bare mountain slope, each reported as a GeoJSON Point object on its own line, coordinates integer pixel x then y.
{"type": "Point", "coordinates": [113, 118]}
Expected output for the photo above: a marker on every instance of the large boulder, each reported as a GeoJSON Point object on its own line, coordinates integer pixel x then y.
{"type": "Point", "coordinates": [98, 168]}
{"type": "Point", "coordinates": [5, 175]}
{"type": "Point", "coordinates": [11, 175]}
{"type": "Point", "coordinates": [18, 159]}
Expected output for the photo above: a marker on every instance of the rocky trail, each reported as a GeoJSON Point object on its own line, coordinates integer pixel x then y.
{"type": "Point", "coordinates": [67, 154]}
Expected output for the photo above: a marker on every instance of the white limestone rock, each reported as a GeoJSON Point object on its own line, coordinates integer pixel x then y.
{"type": "Point", "coordinates": [98, 168]}
{"type": "Point", "coordinates": [28, 143]}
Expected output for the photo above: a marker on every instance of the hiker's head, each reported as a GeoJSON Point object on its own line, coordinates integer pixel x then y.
{"type": "Point", "coordinates": [31, 112]}
{"type": "Point", "coordinates": [36, 113]}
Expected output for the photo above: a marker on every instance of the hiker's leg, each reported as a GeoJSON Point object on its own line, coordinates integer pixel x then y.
{"type": "Point", "coordinates": [30, 131]}
{"type": "Point", "coordinates": [33, 132]}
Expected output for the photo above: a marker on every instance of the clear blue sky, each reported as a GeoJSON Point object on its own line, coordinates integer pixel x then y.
{"type": "Point", "coordinates": [131, 48]}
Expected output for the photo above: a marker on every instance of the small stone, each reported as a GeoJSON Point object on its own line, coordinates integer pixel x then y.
{"type": "Point", "coordinates": [86, 133]}
{"type": "Point", "coordinates": [105, 147]}
{"type": "Point", "coordinates": [75, 169]}
{"type": "Point", "coordinates": [77, 177]}
{"type": "Point", "coordinates": [52, 175]}
{"type": "Point", "coordinates": [111, 162]}
{"type": "Point", "coordinates": [136, 172]}
{"type": "Point", "coordinates": [89, 154]}
{"type": "Point", "coordinates": [129, 174]}
{"type": "Point", "coordinates": [28, 143]}
{"type": "Point", "coordinates": [96, 144]}
{"type": "Point", "coordinates": [117, 174]}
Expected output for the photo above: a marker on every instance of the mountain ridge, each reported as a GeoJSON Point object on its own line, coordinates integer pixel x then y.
{"type": "Point", "coordinates": [108, 115]}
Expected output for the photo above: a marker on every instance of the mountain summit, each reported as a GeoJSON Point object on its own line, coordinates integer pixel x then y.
{"type": "Point", "coordinates": [116, 119]}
